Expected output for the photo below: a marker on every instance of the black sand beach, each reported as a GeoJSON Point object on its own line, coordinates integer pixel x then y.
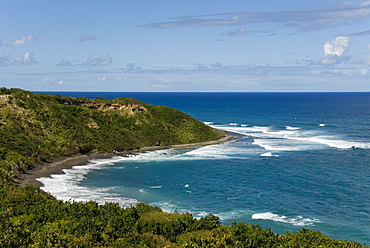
{"type": "Point", "coordinates": [57, 166]}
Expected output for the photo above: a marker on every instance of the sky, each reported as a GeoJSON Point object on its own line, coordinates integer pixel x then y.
{"type": "Point", "coordinates": [185, 46]}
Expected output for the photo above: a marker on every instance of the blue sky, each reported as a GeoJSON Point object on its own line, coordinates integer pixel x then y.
{"type": "Point", "coordinates": [185, 46]}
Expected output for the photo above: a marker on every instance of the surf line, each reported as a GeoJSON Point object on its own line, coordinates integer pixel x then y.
{"type": "Point", "coordinates": [58, 165]}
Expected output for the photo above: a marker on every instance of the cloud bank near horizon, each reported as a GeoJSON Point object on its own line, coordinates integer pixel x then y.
{"type": "Point", "coordinates": [302, 20]}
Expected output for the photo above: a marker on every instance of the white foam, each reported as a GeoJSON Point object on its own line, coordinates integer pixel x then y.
{"type": "Point", "coordinates": [208, 122]}
{"type": "Point", "coordinates": [204, 154]}
{"type": "Point", "coordinates": [202, 213]}
{"type": "Point", "coordinates": [221, 151]}
{"type": "Point", "coordinates": [168, 207]}
{"type": "Point", "coordinates": [266, 141]}
{"type": "Point", "coordinates": [233, 215]}
{"type": "Point", "coordinates": [292, 128]}
{"type": "Point", "coordinates": [322, 125]}
{"type": "Point", "coordinates": [295, 221]}
{"type": "Point", "coordinates": [336, 142]}
{"type": "Point", "coordinates": [143, 191]}
{"type": "Point", "coordinates": [155, 187]}
{"type": "Point", "coordinates": [244, 130]}
{"type": "Point", "coordinates": [233, 124]}
{"type": "Point", "coordinates": [268, 154]}
{"type": "Point", "coordinates": [283, 145]}
{"type": "Point", "coordinates": [295, 139]}
{"type": "Point", "coordinates": [65, 186]}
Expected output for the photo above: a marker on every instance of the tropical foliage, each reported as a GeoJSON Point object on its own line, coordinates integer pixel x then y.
{"type": "Point", "coordinates": [33, 218]}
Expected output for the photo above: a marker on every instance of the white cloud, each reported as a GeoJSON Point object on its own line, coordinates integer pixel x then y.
{"type": "Point", "coordinates": [231, 78]}
{"type": "Point", "coordinates": [236, 33]}
{"type": "Point", "coordinates": [24, 40]}
{"type": "Point", "coordinates": [5, 59]}
{"type": "Point", "coordinates": [342, 72]}
{"type": "Point", "coordinates": [365, 3]}
{"type": "Point", "coordinates": [160, 85]}
{"type": "Point", "coordinates": [87, 37]}
{"type": "Point", "coordinates": [107, 60]}
{"type": "Point", "coordinates": [26, 59]}
{"type": "Point", "coordinates": [367, 32]}
{"type": "Point", "coordinates": [61, 82]}
{"type": "Point", "coordinates": [64, 62]}
{"type": "Point", "coordinates": [47, 80]}
{"type": "Point", "coordinates": [320, 18]}
{"type": "Point", "coordinates": [102, 78]}
{"type": "Point", "coordinates": [131, 67]}
{"type": "Point", "coordinates": [202, 66]}
{"type": "Point", "coordinates": [50, 81]}
{"type": "Point", "coordinates": [364, 71]}
{"type": "Point", "coordinates": [217, 65]}
{"type": "Point", "coordinates": [364, 61]}
{"type": "Point", "coordinates": [335, 50]}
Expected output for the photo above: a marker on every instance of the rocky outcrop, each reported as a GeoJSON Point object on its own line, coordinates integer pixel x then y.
{"type": "Point", "coordinates": [130, 108]}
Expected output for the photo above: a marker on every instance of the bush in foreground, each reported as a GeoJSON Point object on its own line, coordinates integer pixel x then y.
{"type": "Point", "coordinates": [32, 218]}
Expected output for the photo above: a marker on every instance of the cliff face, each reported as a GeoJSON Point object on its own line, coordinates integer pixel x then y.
{"type": "Point", "coordinates": [35, 128]}
{"type": "Point", "coordinates": [128, 108]}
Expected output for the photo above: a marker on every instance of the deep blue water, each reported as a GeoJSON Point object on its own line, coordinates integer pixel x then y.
{"type": "Point", "coordinates": [299, 160]}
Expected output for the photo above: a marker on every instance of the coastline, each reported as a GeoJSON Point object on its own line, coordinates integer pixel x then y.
{"type": "Point", "coordinates": [58, 165]}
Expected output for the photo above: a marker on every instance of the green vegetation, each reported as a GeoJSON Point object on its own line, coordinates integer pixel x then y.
{"type": "Point", "coordinates": [33, 218]}
{"type": "Point", "coordinates": [36, 128]}
{"type": "Point", "coordinates": [39, 128]}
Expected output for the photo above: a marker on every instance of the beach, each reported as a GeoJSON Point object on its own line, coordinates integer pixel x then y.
{"type": "Point", "coordinates": [58, 165]}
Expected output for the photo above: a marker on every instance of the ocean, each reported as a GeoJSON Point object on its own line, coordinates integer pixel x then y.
{"type": "Point", "coordinates": [298, 160]}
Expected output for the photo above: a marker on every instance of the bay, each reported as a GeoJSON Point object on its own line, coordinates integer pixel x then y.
{"type": "Point", "coordinates": [299, 160]}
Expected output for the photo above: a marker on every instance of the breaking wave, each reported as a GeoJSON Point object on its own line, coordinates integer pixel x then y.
{"type": "Point", "coordinates": [295, 138]}
{"type": "Point", "coordinates": [295, 221]}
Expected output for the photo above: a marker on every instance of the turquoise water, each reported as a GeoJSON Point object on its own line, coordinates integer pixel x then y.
{"type": "Point", "coordinates": [298, 160]}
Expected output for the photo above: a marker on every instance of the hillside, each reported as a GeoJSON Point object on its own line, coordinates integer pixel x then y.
{"type": "Point", "coordinates": [36, 128]}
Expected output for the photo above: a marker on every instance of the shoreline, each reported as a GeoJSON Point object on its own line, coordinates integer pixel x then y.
{"type": "Point", "coordinates": [58, 165]}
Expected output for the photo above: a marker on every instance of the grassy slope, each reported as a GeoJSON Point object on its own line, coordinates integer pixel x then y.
{"type": "Point", "coordinates": [35, 128]}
